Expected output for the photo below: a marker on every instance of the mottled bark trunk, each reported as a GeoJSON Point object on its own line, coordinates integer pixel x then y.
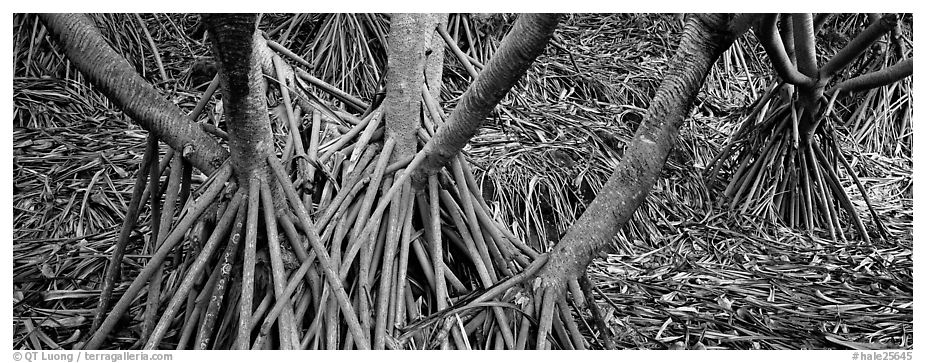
{"type": "Point", "coordinates": [409, 35]}
{"type": "Point", "coordinates": [243, 93]}
{"type": "Point", "coordinates": [706, 36]}
{"type": "Point", "coordinates": [524, 43]}
{"type": "Point", "coordinates": [117, 79]}
{"type": "Point", "coordinates": [239, 54]}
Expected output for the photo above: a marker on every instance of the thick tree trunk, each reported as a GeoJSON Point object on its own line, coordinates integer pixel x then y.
{"type": "Point", "coordinates": [117, 79]}
{"type": "Point", "coordinates": [706, 36]}
{"type": "Point", "coordinates": [250, 137]}
{"type": "Point", "coordinates": [408, 38]}
{"type": "Point", "coordinates": [524, 43]}
{"type": "Point", "coordinates": [407, 51]}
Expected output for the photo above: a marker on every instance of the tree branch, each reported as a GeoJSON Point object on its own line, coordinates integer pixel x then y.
{"type": "Point", "coordinates": [117, 79]}
{"type": "Point", "coordinates": [805, 44]}
{"type": "Point", "coordinates": [858, 45]}
{"type": "Point", "coordinates": [880, 78]}
{"type": "Point", "coordinates": [741, 23]}
{"type": "Point", "coordinates": [768, 35]}
{"type": "Point", "coordinates": [434, 66]}
{"type": "Point", "coordinates": [524, 43]}
{"type": "Point", "coordinates": [705, 38]}
{"type": "Point", "coordinates": [786, 30]}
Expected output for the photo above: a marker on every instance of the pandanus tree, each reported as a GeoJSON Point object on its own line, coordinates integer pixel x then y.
{"type": "Point", "coordinates": [787, 151]}
{"type": "Point", "coordinates": [359, 226]}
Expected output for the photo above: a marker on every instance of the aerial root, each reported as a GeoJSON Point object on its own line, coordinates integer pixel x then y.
{"type": "Point", "coordinates": [114, 268]}
{"type": "Point", "coordinates": [192, 213]}
{"type": "Point", "coordinates": [389, 261]}
{"type": "Point", "coordinates": [783, 173]}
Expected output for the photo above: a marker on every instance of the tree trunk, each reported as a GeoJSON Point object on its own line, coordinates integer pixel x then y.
{"type": "Point", "coordinates": [250, 139]}
{"type": "Point", "coordinates": [408, 38]}
{"type": "Point", "coordinates": [706, 36]}
{"type": "Point", "coordinates": [117, 79]}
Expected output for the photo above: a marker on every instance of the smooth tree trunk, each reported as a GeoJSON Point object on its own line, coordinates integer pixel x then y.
{"type": "Point", "coordinates": [705, 38]}
{"type": "Point", "coordinates": [886, 76]}
{"type": "Point", "coordinates": [117, 79]}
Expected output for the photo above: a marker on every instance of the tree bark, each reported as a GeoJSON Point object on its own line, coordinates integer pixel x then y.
{"type": "Point", "coordinates": [706, 36]}
{"type": "Point", "coordinates": [524, 43]}
{"type": "Point", "coordinates": [408, 38]}
{"type": "Point", "coordinates": [117, 79]}
{"type": "Point", "coordinates": [434, 66]}
{"type": "Point", "coordinates": [243, 89]}
{"type": "Point", "coordinates": [239, 53]}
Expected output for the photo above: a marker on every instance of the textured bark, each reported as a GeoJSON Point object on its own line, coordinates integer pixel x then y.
{"type": "Point", "coordinates": [409, 35]}
{"type": "Point", "coordinates": [706, 36]}
{"type": "Point", "coordinates": [243, 91]}
{"type": "Point", "coordinates": [117, 79]}
{"type": "Point", "coordinates": [524, 43]}
{"type": "Point", "coordinates": [434, 67]}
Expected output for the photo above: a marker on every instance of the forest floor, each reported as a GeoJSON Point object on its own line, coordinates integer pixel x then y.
{"type": "Point", "coordinates": [687, 273]}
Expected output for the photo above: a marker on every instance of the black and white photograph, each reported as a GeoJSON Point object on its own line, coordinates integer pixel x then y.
{"type": "Point", "coordinates": [622, 181]}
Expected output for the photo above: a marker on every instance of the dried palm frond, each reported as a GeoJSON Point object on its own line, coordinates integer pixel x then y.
{"type": "Point", "coordinates": [345, 50]}
{"type": "Point", "coordinates": [560, 132]}
{"type": "Point", "coordinates": [730, 281]}
{"type": "Point", "coordinates": [681, 274]}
